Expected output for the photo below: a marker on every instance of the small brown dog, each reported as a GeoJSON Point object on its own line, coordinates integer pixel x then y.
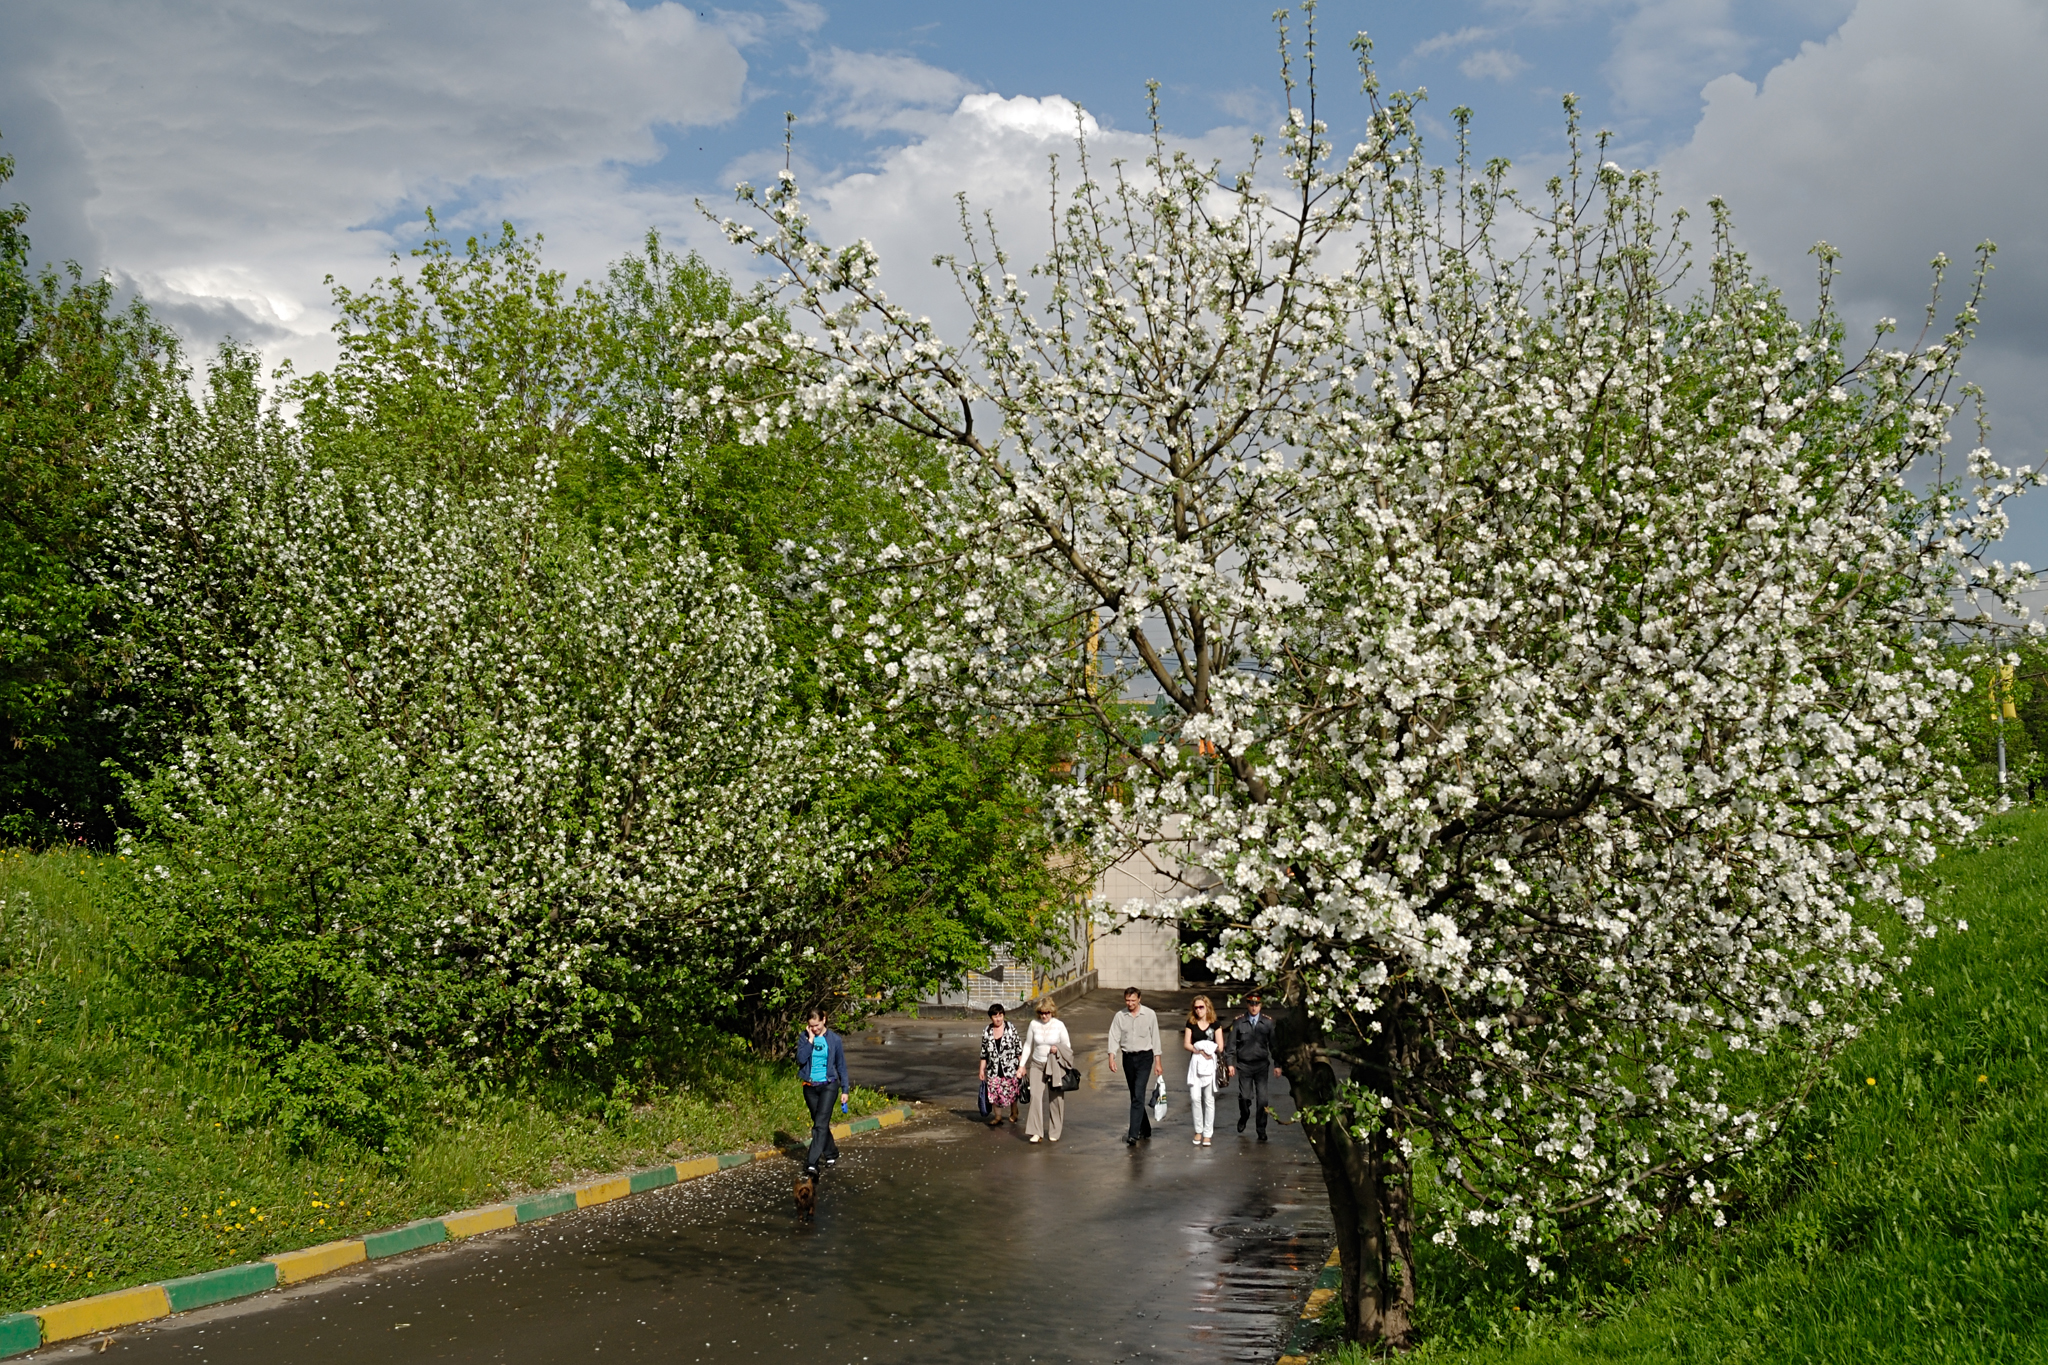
{"type": "Point", "coordinates": [806, 1195]}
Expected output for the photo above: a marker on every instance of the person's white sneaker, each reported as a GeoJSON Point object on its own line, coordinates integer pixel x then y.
{"type": "Point", "coordinates": [1034, 1137]}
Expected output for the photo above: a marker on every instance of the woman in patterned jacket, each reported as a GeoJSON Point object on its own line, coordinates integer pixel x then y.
{"type": "Point", "coordinates": [1002, 1065]}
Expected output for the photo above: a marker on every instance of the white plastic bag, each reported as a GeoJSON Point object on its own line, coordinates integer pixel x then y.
{"type": "Point", "coordinates": [1159, 1102]}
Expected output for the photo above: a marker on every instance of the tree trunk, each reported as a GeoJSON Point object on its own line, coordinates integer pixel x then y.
{"type": "Point", "coordinates": [1370, 1194]}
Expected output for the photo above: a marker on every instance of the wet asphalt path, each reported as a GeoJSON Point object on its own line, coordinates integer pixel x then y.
{"type": "Point", "coordinates": [942, 1240]}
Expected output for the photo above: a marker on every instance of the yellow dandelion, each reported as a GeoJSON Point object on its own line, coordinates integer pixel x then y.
{"type": "Point", "coordinates": [1980, 1080]}
{"type": "Point", "coordinates": [1870, 1080]}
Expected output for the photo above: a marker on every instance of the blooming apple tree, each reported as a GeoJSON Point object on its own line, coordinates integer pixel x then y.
{"type": "Point", "coordinates": [473, 788]}
{"type": "Point", "coordinates": [1542, 657]}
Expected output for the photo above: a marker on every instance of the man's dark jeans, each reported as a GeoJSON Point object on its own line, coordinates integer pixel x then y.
{"type": "Point", "coordinates": [1138, 1076]}
{"type": "Point", "coordinates": [818, 1099]}
{"type": "Point", "coordinates": [1251, 1090]}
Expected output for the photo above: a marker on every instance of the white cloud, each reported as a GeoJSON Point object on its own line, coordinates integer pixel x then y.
{"type": "Point", "coordinates": [239, 149]}
{"type": "Point", "coordinates": [996, 151]}
{"type": "Point", "coordinates": [1909, 131]}
{"type": "Point", "coordinates": [875, 91]}
{"type": "Point", "coordinates": [1492, 64]}
{"type": "Point", "coordinates": [1451, 41]}
{"type": "Point", "coordinates": [1665, 49]}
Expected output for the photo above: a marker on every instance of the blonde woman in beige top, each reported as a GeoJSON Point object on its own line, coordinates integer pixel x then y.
{"type": "Point", "coordinates": [1048, 1057]}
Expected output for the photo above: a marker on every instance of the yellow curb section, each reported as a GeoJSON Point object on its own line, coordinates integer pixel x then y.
{"type": "Point", "coordinates": [293, 1266]}
{"type": "Point", "coordinates": [602, 1192]}
{"type": "Point", "coordinates": [470, 1223]}
{"type": "Point", "coordinates": [102, 1311]}
{"type": "Point", "coordinates": [690, 1170]}
{"type": "Point", "coordinates": [890, 1116]}
{"type": "Point", "coordinates": [1317, 1298]}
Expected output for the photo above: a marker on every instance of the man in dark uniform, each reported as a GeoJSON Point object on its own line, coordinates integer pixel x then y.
{"type": "Point", "coordinates": [1248, 1058]}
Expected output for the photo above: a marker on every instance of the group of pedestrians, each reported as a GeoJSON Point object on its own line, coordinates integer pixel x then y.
{"type": "Point", "coordinates": [1217, 1055]}
{"type": "Point", "coordinates": [1040, 1056]}
{"type": "Point", "coordinates": [1241, 1052]}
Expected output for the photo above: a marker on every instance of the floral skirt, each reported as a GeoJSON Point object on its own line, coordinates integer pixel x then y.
{"type": "Point", "coordinates": [1002, 1091]}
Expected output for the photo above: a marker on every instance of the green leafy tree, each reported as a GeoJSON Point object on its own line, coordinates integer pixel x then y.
{"type": "Point", "coordinates": [78, 372]}
{"type": "Point", "coordinates": [478, 363]}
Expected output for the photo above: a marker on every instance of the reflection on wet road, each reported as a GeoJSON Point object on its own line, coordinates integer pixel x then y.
{"type": "Point", "coordinates": [942, 1240]}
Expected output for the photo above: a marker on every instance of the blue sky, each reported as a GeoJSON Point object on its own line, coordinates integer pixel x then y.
{"type": "Point", "coordinates": [1637, 69]}
{"type": "Point", "coordinates": [222, 157]}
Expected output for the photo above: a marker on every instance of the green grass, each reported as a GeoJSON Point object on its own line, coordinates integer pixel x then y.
{"type": "Point", "coordinates": [123, 1165]}
{"type": "Point", "coordinates": [1902, 1217]}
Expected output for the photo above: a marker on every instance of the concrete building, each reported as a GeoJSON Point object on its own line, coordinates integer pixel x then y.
{"type": "Point", "coordinates": [1116, 951]}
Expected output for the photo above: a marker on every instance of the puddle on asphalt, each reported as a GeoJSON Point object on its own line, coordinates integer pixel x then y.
{"type": "Point", "coordinates": [919, 1135]}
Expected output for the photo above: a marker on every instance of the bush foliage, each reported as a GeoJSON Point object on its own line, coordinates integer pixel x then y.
{"type": "Point", "coordinates": [459, 711]}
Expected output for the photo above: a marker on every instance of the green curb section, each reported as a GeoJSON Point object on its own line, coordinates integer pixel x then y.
{"type": "Point", "coordinates": [642, 1181]}
{"type": "Point", "coordinates": [411, 1237]}
{"type": "Point", "coordinates": [217, 1286]}
{"type": "Point", "coordinates": [544, 1206]}
{"type": "Point", "coordinates": [21, 1332]}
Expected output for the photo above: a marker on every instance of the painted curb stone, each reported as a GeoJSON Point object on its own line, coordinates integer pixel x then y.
{"type": "Point", "coordinates": [217, 1286]}
{"type": "Point", "coordinates": [544, 1206]}
{"type": "Point", "coordinates": [642, 1181]}
{"type": "Point", "coordinates": [19, 1332]}
{"type": "Point", "coordinates": [411, 1237]}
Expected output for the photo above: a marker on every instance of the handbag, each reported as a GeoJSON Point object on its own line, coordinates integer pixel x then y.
{"type": "Point", "coordinates": [982, 1100]}
{"type": "Point", "coordinates": [1159, 1102]}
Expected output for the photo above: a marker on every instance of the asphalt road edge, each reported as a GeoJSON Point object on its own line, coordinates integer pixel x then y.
{"type": "Point", "coordinates": [1302, 1339]}
{"type": "Point", "coordinates": [22, 1332]}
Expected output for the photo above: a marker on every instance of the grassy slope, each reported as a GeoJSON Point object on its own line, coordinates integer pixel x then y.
{"type": "Point", "coordinates": [134, 1173]}
{"type": "Point", "coordinates": [1903, 1219]}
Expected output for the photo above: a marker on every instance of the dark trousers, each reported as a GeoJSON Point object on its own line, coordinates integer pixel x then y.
{"type": "Point", "coordinates": [818, 1098]}
{"type": "Point", "coordinates": [1251, 1091]}
{"type": "Point", "coordinates": [1138, 1076]}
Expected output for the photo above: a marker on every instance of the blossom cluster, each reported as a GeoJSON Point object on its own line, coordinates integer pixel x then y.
{"type": "Point", "coordinates": [499, 786]}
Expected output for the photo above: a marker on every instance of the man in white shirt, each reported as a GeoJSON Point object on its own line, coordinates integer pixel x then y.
{"type": "Point", "coordinates": [1134, 1049]}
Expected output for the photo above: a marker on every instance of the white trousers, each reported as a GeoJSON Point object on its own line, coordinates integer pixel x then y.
{"type": "Point", "coordinates": [1202, 1103]}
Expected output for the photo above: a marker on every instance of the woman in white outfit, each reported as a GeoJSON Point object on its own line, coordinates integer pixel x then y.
{"type": "Point", "coordinates": [1203, 1038]}
{"type": "Point", "coordinates": [1049, 1055]}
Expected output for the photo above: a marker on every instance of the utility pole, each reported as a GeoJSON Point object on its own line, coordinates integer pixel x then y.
{"type": "Point", "coordinates": [2002, 710]}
